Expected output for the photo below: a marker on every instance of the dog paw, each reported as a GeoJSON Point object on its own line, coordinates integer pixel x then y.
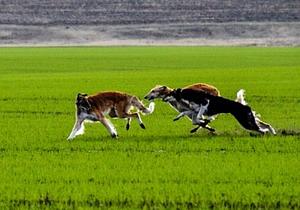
{"type": "Point", "coordinates": [175, 119]}
{"type": "Point", "coordinates": [114, 135]}
{"type": "Point", "coordinates": [211, 130]}
{"type": "Point", "coordinates": [127, 126]}
{"type": "Point", "coordinates": [194, 130]}
{"type": "Point", "coordinates": [142, 126]}
{"type": "Point", "coordinates": [70, 138]}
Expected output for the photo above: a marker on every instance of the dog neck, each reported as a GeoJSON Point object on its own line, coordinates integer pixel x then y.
{"type": "Point", "coordinates": [166, 93]}
{"type": "Point", "coordinates": [172, 98]}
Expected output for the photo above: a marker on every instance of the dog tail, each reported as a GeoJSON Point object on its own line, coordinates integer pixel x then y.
{"type": "Point", "coordinates": [240, 97]}
{"type": "Point", "coordinates": [263, 127]}
{"type": "Point", "coordinates": [140, 106]}
{"type": "Point", "coordinates": [151, 107]}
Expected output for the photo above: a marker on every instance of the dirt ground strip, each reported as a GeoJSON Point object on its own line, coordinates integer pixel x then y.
{"type": "Point", "coordinates": [194, 34]}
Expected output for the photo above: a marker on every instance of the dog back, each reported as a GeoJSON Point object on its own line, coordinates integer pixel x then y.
{"type": "Point", "coordinates": [217, 104]}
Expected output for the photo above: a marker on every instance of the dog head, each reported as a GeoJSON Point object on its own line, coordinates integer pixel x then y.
{"type": "Point", "coordinates": [82, 102]}
{"type": "Point", "coordinates": [159, 91]}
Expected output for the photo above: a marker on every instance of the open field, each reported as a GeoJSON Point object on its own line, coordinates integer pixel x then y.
{"type": "Point", "coordinates": [163, 166]}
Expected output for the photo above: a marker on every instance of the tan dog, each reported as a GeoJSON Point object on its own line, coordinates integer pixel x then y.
{"type": "Point", "coordinates": [162, 92]}
{"type": "Point", "coordinates": [114, 104]}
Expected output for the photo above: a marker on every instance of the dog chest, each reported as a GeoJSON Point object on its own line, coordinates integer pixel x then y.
{"type": "Point", "coordinates": [88, 116]}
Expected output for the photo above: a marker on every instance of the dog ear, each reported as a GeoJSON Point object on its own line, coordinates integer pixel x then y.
{"type": "Point", "coordinates": [81, 98]}
{"type": "Point", "coordinates": [83, 102]}
{"type": "Point", "coordinates": [177, 91]}
{"type": "Point", "coordinates": [161, 87]}
{"type": "Point", "coordinates": [81, 95]}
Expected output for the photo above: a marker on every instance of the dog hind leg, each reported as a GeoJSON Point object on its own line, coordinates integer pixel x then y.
{"type": "Point", "coordinates": [109, 126]}
{"type": "Point", "coordinates": [265, 127]}
{"type": "Point", "coordinates": [128, 123]}
{"type": "Point", "coordinates": [137, 116]}
{"type": "Point", "coordinates": [126, 113]}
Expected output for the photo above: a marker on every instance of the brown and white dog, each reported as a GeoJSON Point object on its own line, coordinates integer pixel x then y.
{"type": "Point", "coordinates": [115, 104]}
{"type": "Point", "coordinates": [162, 92]}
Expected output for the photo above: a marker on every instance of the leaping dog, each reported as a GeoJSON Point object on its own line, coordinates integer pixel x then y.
{"type": "Point", "coordinates": [114, 104]}
{"type": "Point", "coordinates": [201, 103]}
{"type": "Point", "coordinates": [161, 92]}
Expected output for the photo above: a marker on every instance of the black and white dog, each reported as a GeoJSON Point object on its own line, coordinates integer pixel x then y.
{"type": "Point", "coordinates": [162, 92]}
{"type": "Point", "coordinates": [201, 104]}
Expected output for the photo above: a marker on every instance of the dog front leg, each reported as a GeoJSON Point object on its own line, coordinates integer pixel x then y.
{"type": "Point", "coordinates": [202, 110]}
{"type": "Point", "coordinates": [77, 129]}
{"type": "Point", "coordinates": [197, 121]}
{"type": "Point", "coordinates": [109, 126]}
{"type": "Point", "coordinates": [201, 123]}
{"type": "Point", "coordinates": [182, 114]}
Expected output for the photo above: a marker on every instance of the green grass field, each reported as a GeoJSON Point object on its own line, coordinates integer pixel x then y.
{"type": "Point", "coordinates": [163, 166]}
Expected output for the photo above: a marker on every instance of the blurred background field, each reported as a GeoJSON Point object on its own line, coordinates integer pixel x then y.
{"type": "Point", "coordinates": [155, 22]}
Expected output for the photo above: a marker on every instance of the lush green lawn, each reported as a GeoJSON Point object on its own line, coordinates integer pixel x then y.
{"type": "Point", "coordinates": [163, 166]}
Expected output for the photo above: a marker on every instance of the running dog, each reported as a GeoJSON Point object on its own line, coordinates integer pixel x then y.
{"type": "Point", "coordinates": [162, 92]}
{"type": "Point", "coordinates": [115, 104]}
{"type": "Point", "coordinates": [202, 103]}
